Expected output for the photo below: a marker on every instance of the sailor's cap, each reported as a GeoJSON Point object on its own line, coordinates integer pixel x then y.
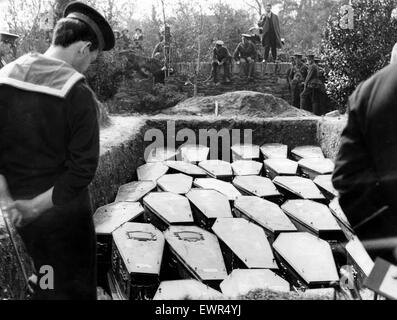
{"type": "Point", "coordinates": [82, 12]}
{"type": "Point", "coordinates": [219, 42]}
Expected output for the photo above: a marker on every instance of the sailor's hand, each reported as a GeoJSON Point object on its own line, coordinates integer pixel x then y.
{"type": "Point", "coordinates": [23, 212]}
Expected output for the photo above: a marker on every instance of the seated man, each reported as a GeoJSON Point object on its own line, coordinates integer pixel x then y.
{"type": "Point", "coordinates": [246, 55]}
{"type": "Point", "coordinates": [221, 58]}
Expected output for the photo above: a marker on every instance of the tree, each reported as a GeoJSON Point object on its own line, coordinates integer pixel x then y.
{"type": "Point", "coordinates": [354, 55]}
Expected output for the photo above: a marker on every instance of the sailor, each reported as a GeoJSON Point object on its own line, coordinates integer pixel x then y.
{"type": "Point", "coordinates": [310, 97]}
{"type": "Point", "coordinates": [299, 75]}
{"type": "Point", "coordinates": [49, 151]}
{"type": "Point", "coordinates": [290, 72]}
{"type": "Point", "coordinates": [221, 58]}
{"type": "Point", "coordinates": [246, 55]}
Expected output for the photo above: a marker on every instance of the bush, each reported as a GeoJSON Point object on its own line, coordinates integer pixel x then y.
{"type": "Point", "coordinates": [352, 56]}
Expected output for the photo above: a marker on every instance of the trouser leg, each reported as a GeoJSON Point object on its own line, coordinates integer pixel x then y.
{"type": "Point", "coordinates": [227, 66]}
{"type": "Point", "coordinates": [274, 52]}
{"type": "Point", "coordinates": [267, 53]}
{"type": "Point", "coordinates": [251, 69]}
{"type": "Point", "coordinates": [306, 99]}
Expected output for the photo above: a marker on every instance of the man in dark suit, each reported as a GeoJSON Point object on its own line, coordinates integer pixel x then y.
{"type": "Point", "coordinates": [271, 34]}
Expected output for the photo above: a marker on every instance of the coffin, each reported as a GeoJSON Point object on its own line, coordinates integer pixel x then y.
{"type": "Point", "coordinates": [359, 257]}
{"type": "Point", "coordinates": [151, 171]}
{"type": "Point", "coordinates": [194, 153]}
{"type": "Point", "coordinates": [161, 155]}
{"type": "Point", "coordinates": [340, 216]}
{"type": "Point", "coordinates": [209, 205]}
{"type": "Point", "coordinates": [307, 152]}
{"type": "Point", "coordinates": [256, 186]}
{"type": "Point", "coordinates": [245, 242]}
{"type": "Point", "coordinates": [186, 290]}
{"type": "Point", "coordinates": [316, 167]}
{"type": "Point", "coordinates": [247, 168]}
{"type": "Point", "coordinates": [196, 253]}
{"type": "Point", "coordinates": [223, 187]}
{"type": "Point", "coordinates": [164, 209]}
{"type": "Point", "coordinates": [299, 187]}
{"type": "Point", "coordinates": [242, 282]}
{"type": "Point", "coordinates": [324, 183]}
{"type": "Point", "coordinates": [217, 169]}
{"type": "Point", "coordinates": [313, 217]}
{"type": "Point", "coordinates": [274, 151]}
{"type": "Point", "coordinates": [280, 167]}
{"type": "Point", "coordinates": [186, 168]}
{"type": "Point", "coordinates": [245, 152]}
{"type": "Point", "coordinates": [175, 183]}
{"type": "Point", "coordinates": [309, 257]}
{"type": "Point", "coordinates": [137, 256]}
{"type": "Point", "coordinates": [134, 191]}
{"type": "Point", "coordinates": [266, 214]}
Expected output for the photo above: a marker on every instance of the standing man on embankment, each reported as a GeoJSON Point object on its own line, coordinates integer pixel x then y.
{"type": "Point", "coordinates": [49, 151]}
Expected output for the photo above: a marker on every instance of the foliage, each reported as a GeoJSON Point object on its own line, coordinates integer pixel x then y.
{"type": "Point", "coordinates": [354, 55]}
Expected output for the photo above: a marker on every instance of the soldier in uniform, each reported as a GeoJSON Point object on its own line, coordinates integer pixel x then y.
{"type": "Point", "coordinates": [298, 74]}
{"type": "Point", "coordinates": [221, 58]}
{"type": "Point", "coordinates": [49, 151]}
{"type": "Point", "coordinates": [246, 55]}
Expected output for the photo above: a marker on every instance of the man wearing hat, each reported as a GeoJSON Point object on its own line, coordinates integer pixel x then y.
{"type": "Point", "coordinates": [221, 58]}
{"type": "Point", "coordinates": [298, 74]}
{"type": "Point", "coordinates": [49, 151]}
{"type": "Point", "coordinates": [246, 55]}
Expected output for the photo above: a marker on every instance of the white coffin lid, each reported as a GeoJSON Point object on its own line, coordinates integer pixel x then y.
{"type": "Point", "coordinates": [319, 166]}
{"type": "Point", "coordinates": [282, 166]}
{"type": "Point", "coordinates": [112, 216]}
{"type": "Point", "coordinates": [223, 187]}
{"type": "Point", "coordinates": [194, 153]}
{"type": "Point", "coordinates": [309, 256]}
{"type": "Point", "coordinates": [134, 191]}
{"type": "Point", "coordinates": [175, 183]}
{"type": "Point", "coordinates": [246, 151]}
{"type": "Point", "coordinates": [307, 152]}
{"type": "Point", "coordinates": [247, 241]}
{"type": "Point", "coordinates": [338, 212]}
{"type": "Point", "coordinates": [151, 171]}
{"type": "Point", "coordinates": [211, 203]}
{"type": "Point", "coordinates": [313, 215]}
{"type": "Point", "coordinates": [303, 188]}
{"type": "Point", "coordinates": [217, 168]}
{"type": "Point", "coordinates": [171, 208]}
{"type": "Point", "coordinates": [275, 151]}
{"type": "Point", "coordinates": [246, 168]}
{"type": "Point", "coordinates": [241, 282]}
{"type": "Point", "coordinates": [199, 250]}
{"type": "Point", "coordinates": [357, 252]}
{"type": "Point", "coordinates": [265, 213]}
{"type": "Point", "coordinates": [141, 246]}
{"type": "Point", "coordinates": [186, 290]}
{"type": "Point", "coordinates": [186, 168]}
{"type": "Point", "coordinates": [256, 186]}
{"type": "Point", "coordinates": [325, 182]}
{"type": "Point", "coordinates": [161, 155]}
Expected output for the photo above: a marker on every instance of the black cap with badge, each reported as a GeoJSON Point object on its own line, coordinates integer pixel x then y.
{"type": "Point", "coordinates": [104, 32]}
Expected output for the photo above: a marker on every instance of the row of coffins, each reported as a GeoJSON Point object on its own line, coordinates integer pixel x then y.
{"type": "Point", "coordinates": [208, 221]}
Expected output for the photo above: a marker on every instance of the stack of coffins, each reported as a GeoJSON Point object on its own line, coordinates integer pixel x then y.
{"type": "Point", "coordinates": [244, 245]}
{"type": "Point", "coordinates": [257, 186]}
{"type": "Point", "coordinates": [134, 191]}
{"type": "Point", "coordinates": [264, 213]}
{"type": "Point", "coordinates": [209, 205]}
{"type": "Point", "coordinates": [137, 255]}
{"type": "Point", "coordinates": [164, 209]}
{"type": "Point", "coordinates": [245, 152]}
{"type": "Point", "coordinates": [175, 183]}
{"type": "Point", "coordinates": [313, 217]}
{"type": "Point", "coordinates": [196, 254]}
{"type": "Point", "coordinates": [307, 258]}
{"type": "Point", "coordinates": [223, 187]}
{"type": "Point", "coordinates": [186, 290]}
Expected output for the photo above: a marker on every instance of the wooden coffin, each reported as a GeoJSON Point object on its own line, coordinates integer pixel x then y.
{"type": "Point", "coordinates": [257, 186]}
{"type": "Point", "coordinates": [245, 152]}
{"type": "Point", "coordinates": [164, 209]}
{"type": "Point", "coordinates": [217, 169]}
{"type": "Point", "coordinates": [151, 171]}
{"type": "Point", "coordinates": [298, 187]}
{"type": "Point", "coordinates": [383, 279]}
{"type": "Point", "coordinates": [161, 155]}
{"type": "Point", "coordinates": [134, 191]}
{"type": "Point", "coordinates": [137, 256]}
{"type": "Point", "coordinates": [247, 168]}
{"type": "Point", "coordinates": [359, 257]}
{"type": "Point", "coordinates": [182, 290]}
{"type": "Point", "coordinates": [176, 183]}
{"type": "Point", "coordinates": [324, 183]}
{"type": "Point", "coordinates": [223, 187]}
{"type": "Point", "coordinates": [196, 254]}
{"type": "Point", "coordinates": [186, 168]}
{"type": "Point", "coordinates": [307, 257]}
{"type": "Point", "coordinates": [266, 214]}
{"type": "Point", "coordinates": [340, 216]}
{"type": "Point", "coordinates": [312, 168]}
{"type": "Point", "coordinates": [313, 217]}
{"type": "Point", "coordinates": [194, 153]}
{"type": "Point", "coordinates": [241, 282]}
{"type": "Point", "coordinates": [307, 152]}
{"type": "Point", "coordinates": [209, 205]}
{"type": "Point", "coordinates": [274, 151]}
{"type": "Point", "coordinates": [280, 167]}
{"type": "Point", "coordinates": [244, 244]}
